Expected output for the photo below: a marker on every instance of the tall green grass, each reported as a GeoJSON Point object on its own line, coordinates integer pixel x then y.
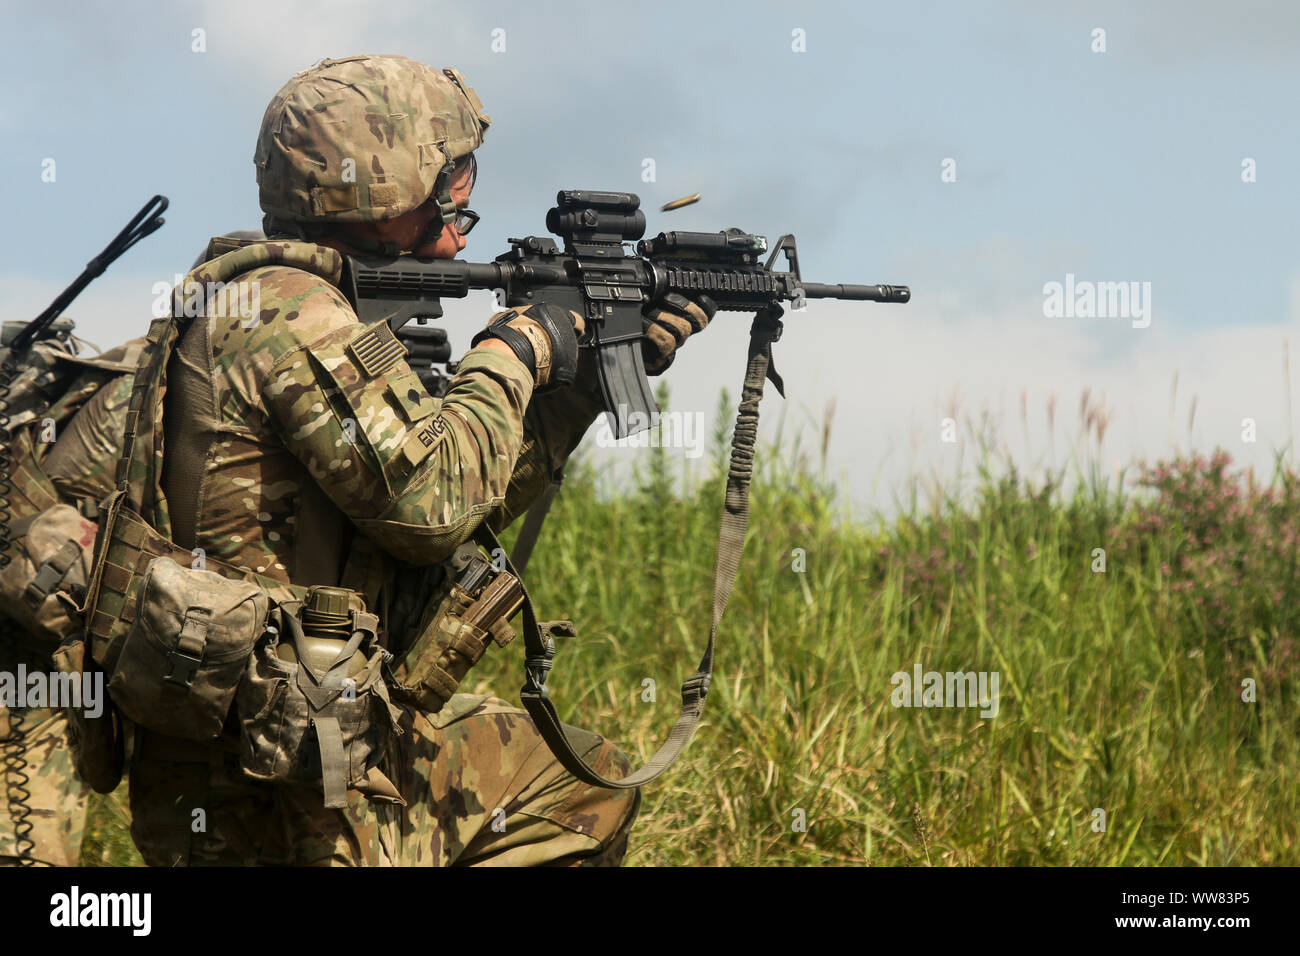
{"type": "Point", "coordinates": [1121, 690]}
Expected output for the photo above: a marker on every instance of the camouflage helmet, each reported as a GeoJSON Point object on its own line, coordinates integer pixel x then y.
{"type": "Point", "coordinates": [364, 139]}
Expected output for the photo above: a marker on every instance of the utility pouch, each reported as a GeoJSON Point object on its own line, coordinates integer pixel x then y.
{"type": "Point", "coordinates": [126, 548]}
{"type": "Point", "coordinates": [472, 616]}
{"type": "Point", "coordinates": [187, 649]}
{"type": "Point", "coordinates": [51, 553]}
{"type": "Point", "coordinates": [316, 711]}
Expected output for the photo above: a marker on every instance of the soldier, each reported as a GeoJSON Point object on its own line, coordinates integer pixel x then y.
{"type": "Point", "coordinates": [299, 446]}
{"type": "Point", "coordinates": [63, 451]}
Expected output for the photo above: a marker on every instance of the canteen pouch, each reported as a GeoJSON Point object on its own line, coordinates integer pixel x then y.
{"type": "Point", "coordinates": [328, 727]}
{"type": "Point", "coordinates": [187, 649]}
{"type": "Point", "coordinates": [443, 652]}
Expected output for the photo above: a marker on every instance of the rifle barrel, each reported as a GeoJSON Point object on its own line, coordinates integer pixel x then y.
{"type": "Point", "coordinates": [870, 293]}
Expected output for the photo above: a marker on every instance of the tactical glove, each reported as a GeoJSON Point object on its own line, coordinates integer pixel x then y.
{"type": "Point", "coordinates": [669, 324]}
{"type": "Point", "coordinates": [544, 337]}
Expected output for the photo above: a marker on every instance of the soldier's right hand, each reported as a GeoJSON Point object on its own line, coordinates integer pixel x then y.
{"type": "Point", "coordinates": [544, 337]}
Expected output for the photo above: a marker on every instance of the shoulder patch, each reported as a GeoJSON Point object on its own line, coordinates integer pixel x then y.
{"type": "Point", "coordinates": [376, 350]}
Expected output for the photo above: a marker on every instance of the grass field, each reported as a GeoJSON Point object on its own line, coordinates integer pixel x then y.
{"type": "Point", "coordinates": [1155, 698]}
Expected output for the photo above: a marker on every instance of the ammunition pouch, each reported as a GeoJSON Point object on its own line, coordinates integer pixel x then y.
{"type": "Point", "coordinates": [187, 649]}
{"type": "Point", "coordinates": [318, 722]}
{"type": "Point", "coordinates": [444, 650]}
{"type": "Point", "coordinates": [121, 589]}
{"type": "Point", "coordinates": [127, 546]}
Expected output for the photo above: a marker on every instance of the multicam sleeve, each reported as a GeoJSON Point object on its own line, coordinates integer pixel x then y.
{"type": "Point", "coordinates": [415, 474]}
{"type": "Point", "coordinates": [553, 426]}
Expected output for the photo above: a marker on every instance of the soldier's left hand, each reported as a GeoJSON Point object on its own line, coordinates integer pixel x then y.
{"type": "Point", "coordinates": [667, 326]}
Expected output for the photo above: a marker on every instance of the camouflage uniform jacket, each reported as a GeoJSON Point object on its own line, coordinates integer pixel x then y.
{"type": "Point", "coordinates": [269, 411]}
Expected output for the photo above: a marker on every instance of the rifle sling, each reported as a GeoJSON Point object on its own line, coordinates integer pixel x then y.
{"type": "Point", "coordinates": [539, 650]}
{"type": "Point", "coordinates": [533, 521]}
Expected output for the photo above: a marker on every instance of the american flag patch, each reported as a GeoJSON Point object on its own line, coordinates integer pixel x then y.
{"type": "Point", "coordinates": [376, 350]}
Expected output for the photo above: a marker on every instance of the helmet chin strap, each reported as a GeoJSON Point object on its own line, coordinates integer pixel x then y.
{"type": "Point", "coordinates": [446, 207]}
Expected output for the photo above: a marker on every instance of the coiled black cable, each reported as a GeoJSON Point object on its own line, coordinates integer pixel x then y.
{"type": "Point", "coordinates": [17, 793]}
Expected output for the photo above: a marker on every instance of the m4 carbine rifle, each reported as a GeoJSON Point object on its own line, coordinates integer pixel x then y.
{"type": "Point", "coordinates": [597, 277]}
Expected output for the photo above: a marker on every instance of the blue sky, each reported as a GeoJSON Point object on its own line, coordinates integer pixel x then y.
{"type": "Point", "coordinates": [1115, 166]}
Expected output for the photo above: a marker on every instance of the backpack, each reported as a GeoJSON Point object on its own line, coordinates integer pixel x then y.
{"type": "Point", "coordinates": [65, 418]}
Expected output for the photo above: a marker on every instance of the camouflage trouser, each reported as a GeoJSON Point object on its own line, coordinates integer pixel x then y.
{"type": "Point", "coordinates": [57, 796]}
{"type": "Point", "coordinates": [481, 786]}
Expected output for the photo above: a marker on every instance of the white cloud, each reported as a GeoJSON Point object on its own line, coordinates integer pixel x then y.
{"type": "Point", "coordinates": [263, 37]}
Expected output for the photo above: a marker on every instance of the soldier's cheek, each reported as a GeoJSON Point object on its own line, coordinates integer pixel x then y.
{"type": "Point", "coordinates": [448, 244]}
